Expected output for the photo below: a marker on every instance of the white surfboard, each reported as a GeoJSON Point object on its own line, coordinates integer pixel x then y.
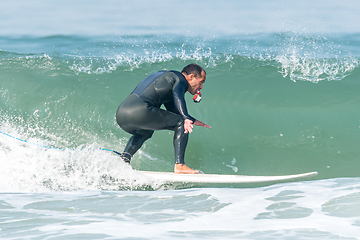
{"type": "Point", "coordinates": [221, 178]}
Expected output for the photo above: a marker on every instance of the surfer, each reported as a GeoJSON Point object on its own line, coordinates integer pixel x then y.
{"type": "Point", "coordinates": [140, 113]}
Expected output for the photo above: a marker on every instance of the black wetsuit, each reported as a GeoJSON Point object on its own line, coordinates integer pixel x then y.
{"type": "Point", "coordinates": [140, 113]}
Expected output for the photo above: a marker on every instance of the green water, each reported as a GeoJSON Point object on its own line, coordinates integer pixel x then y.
{"type": "Point", "coordinates": [264, 123]}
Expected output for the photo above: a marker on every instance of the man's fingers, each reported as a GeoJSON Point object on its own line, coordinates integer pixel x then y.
{"type": "Point", "coordinates": [188, 130]}
{"type": "Point", "coordinates": [188, 125]}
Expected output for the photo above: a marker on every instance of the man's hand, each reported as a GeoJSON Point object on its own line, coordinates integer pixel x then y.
{"type": "Point", "coordinates": [188, 125]}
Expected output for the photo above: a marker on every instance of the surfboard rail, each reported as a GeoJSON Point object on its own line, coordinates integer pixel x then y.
{"type": "Point", "coordinates": [222, 178]}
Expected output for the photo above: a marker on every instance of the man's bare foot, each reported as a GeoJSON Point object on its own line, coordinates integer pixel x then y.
{"type": "Point", "coordinates": [183, 169]}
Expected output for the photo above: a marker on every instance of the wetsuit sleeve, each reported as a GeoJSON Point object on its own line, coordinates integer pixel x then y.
{"type": "Point", "coordinates": [170, 106]}
{"type": "Point", "coordinates": [179, 104]}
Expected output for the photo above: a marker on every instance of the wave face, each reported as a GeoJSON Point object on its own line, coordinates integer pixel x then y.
{"type": "Point", "coordinates": [278, 103]}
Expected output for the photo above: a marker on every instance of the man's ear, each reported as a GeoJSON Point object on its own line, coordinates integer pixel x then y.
{"type": "Point", "coordinates": [191, 76]}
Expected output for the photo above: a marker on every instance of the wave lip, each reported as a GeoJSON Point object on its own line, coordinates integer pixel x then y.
{"type": "Point", "coordinates": [315, 70]}
{"type": "Point", "coordinates": [302, 57]}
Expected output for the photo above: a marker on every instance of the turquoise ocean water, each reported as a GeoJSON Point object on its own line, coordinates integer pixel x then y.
{"type": "Point", "coordinates": [281, 95]}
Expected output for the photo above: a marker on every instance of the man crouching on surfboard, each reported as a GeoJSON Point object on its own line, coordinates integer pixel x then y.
{"type": "Point", "coordinates": [140, 113]}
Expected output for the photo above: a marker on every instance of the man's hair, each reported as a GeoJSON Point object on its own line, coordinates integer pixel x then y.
{"type": "Point", "coordinates": [193, 69]}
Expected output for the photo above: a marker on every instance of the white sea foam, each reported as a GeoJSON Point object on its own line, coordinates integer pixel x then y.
{"type": "Point", "coordinates": [324, 209]}
{"type": "Point", "coordinates": [300, 68]}
{"type": "Point", "coordinates": [29, 165]}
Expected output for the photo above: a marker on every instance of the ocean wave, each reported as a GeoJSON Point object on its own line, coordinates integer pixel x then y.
{"type": "Point", "coordinates": [28, 61]}
{"type": "Point", "coordinates": [294, 58]}
{"type": "Point", "coordinates": [315, 70]}
{"type": "Point", "coordinates": [131, 61]}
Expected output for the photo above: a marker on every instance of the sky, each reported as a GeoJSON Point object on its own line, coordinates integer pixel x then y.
{"type": "Point", "coordinates": [118, 17]}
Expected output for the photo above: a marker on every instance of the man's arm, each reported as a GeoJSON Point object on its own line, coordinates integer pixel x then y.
{"type": "Point", "coordinates": [179, 89]}
{"type": "Point", "coordinates": [170, 106]}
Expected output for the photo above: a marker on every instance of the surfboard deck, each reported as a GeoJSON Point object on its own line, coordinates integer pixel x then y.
{"type": "Point", "coordinates": [221, 178]}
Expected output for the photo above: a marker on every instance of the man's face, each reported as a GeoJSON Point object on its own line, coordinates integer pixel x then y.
{"type": "Point", "coordinates": [196, 84]}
